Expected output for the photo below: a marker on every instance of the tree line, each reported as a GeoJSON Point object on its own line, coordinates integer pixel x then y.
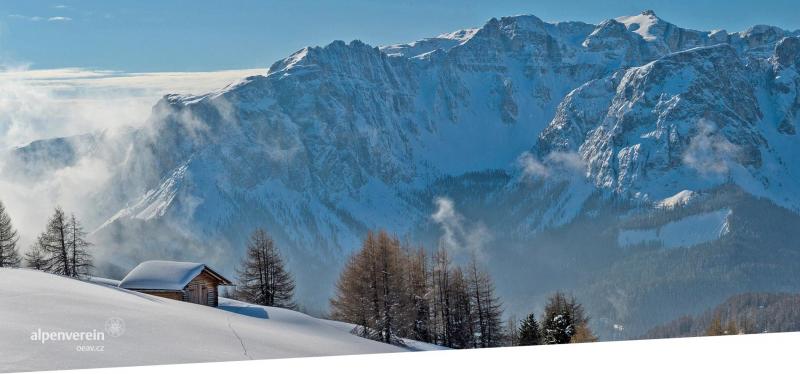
{"type": "Point", "coordinates": [391, 291]}
{"type": "Point", "coordinates": [62, 248]}
{"type": "Point", "coordinates": [388, 289]}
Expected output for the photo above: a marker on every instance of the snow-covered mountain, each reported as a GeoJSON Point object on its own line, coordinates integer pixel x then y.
{"type": "Point", "coordinates": [521, 135]}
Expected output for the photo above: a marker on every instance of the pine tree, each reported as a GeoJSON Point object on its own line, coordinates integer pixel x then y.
{"type": "Point", "coordinates": [559, 326]}
{"type": "Point", "coordinates": [529, 331]}
{"type": "Point", "coordinates": [9, 256]}
{"type": "Point", "coordinates": [263, 280]}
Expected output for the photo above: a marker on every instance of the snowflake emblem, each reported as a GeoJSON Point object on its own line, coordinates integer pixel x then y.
{"type": "Point", "coordinates": [115, 326]}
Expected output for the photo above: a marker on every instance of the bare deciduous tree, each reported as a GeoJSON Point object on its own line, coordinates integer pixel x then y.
{"type": "Point", "coordinates": [263, 279]}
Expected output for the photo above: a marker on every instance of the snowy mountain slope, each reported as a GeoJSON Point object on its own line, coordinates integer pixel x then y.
{"type": "Point", "coordinates": [156, 330]}
{"type": "Point", "coordinates": [537, 135]}
{"type": "Point", "coordinates": [692, 119]}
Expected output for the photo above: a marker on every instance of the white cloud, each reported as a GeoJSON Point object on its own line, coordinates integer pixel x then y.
{"type": "Point", "coordinates": [709, 152]}
{"type": "Point", "coordinates": [26, 18]}
{"type": "Point", "coordinates": [459, 237]}
{"type": "Point", "coordinates": [59, 19]}
{"type": "Point", "coordinates": [531, 166]}
{"type": "Point", "coordinates": [37, 104]}
{"type": "Point", "coordinates": [555, 164]}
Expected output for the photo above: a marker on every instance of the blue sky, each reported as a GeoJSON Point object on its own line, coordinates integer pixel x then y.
{"type": "Point", "coordinates": [203, 35]}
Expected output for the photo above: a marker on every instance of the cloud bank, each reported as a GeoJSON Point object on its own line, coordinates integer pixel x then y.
{"type": "Point", "coordinates": [42, 104]}
{"type": "Point", "coordinates": [37, 104]}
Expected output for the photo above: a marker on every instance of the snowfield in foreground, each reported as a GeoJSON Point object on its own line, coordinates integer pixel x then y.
{"type": "Point", "coordinates": [155, 331]}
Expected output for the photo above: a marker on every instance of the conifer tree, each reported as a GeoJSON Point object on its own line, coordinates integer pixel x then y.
{"type": "Point", "coordinates": [441, 293]}
{"type": "Point", "coordinates": [80, 261]}
{"type": "Point", "coordinates": [52, 244]}
{"type": "Point", "coordinates": [558, 320]}
{"type": "Point", "coordinates": [529, 331]}
{"type": "Point", "coordinates": [462, 332]}
{"type": "Point", "coordinates": [263, 279]}
{"type": "Point", "coordinates": [9, 255]}
{"type": "Point", "coordinates": [34, 258]}
{"type": "Point", "coordinates": [715, 328]}
{"type": "Point", "coordinates": [62, 247]}
{"type": "Point", "coordinates": [487, 306]}
{"type": "Point", "coordinates": [418, 296]}
{"type": "Point", "coordinates": [370, 290]}
{"type": "Point", "coordinates": [512, 332]}
{"type": "Point", "coordinates": [731, 328]}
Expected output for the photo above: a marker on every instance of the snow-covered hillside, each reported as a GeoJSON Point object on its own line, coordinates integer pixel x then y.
{"type": "Point", "coordinates": [156, 330]}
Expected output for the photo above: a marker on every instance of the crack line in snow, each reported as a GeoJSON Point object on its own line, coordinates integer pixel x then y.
{"type": "Point", "coordinates": [238, 337]}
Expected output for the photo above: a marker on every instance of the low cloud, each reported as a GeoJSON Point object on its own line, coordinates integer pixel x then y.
{"type": "Point", "coordinates": [40, 104]}
{"type": "Point", "coordinates": [709, 152]}
{"type": "Point", "coordinates": [40, 18]}
{"type": "Point", "coordinates": [555, 164]}
{"type": "Point", "coordinates": [458, 236]}
{"type": "Point", "coordinates": [26, 18]}
{"type": "Point", "coordinates": [36, 104]}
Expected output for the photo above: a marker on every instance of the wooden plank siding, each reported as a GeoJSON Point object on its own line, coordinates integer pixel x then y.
{"type": "Point", "coordinates": [174, 295]}
{"type": "Point", "coordinates": [193, 291]}
{"type": "Point", "coordinates": [203, 280]}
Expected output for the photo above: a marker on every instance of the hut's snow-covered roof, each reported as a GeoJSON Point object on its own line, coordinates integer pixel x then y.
{"type": "Point", "coordinates": [164, 275]}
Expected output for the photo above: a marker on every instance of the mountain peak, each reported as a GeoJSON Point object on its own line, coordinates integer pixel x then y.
{"type": "Point", "coordinates": [641, 24]}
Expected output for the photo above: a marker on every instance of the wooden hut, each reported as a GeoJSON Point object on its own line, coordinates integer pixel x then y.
{"type": "Point", "coordinates": [185, 281]}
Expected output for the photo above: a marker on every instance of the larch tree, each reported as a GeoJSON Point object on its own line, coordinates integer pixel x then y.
{"type": "Point", "coordinates": [440, 296]}
{"type": "Point", "coordinates": [9, 255]}
{"type": "Point", "coordinates": [370, 290]}
{"type": "Point", "coordinates": [390, 292]}
{"type": "Point", "coordinates": [34, 258]}
{"type": "Point", "coordinates": [80, 260]}
{"type": "Point", "coordinates": [488, 309]}
{"type": "Point", "coordinates": [462, 332]}
{"type": "Point", "coordinates": [715, 327]}
{"type": "Point", "coordinates": [417, 296]}
{"type": "Point", "coordinates": [52, 244]}
{"type": "Point", "coordinates": [512, 332]}
{"type": "Point", "coordinates": [262, 276]}
{"type": "Point", "coordinates": [62, 248]}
